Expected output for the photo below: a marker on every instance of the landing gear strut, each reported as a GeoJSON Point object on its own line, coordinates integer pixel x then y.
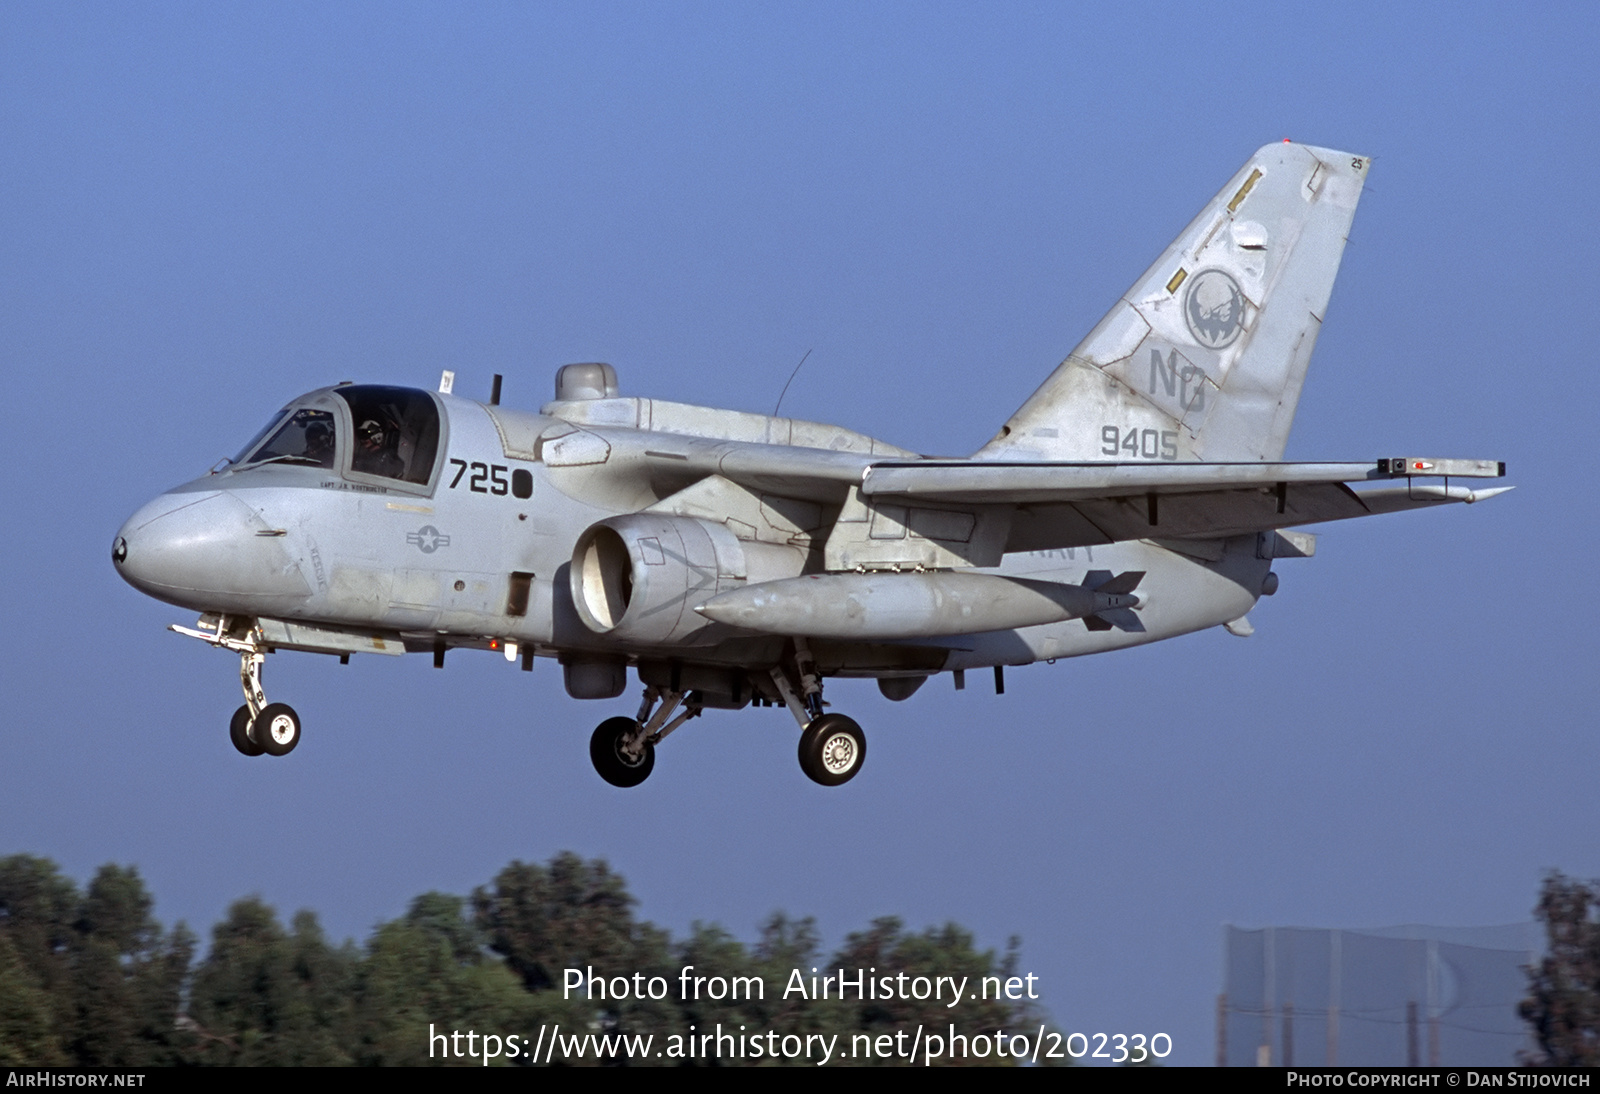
{"type": "Point", "coordinates": [623, 750]}
{"type": "Point", "coordinates": [258, 726]}
{"type": "Point", "coordinates": [832, 746]}
{"type": "Point", "coordinates": [273, 728]}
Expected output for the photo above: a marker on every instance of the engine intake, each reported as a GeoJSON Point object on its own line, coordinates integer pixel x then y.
{"type": "Point", "coordinates": [638, 577]}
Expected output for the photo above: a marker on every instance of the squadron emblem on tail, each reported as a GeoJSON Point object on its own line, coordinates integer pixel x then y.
{"type": "Point", "coordinates": [1214, 309]}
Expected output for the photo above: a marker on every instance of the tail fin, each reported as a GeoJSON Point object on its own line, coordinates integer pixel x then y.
{"type": "Point", "coordinates": [1204, 358]}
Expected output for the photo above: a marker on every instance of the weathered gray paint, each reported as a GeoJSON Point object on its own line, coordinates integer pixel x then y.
{"type": "Point", "coordinates": [781, 531]}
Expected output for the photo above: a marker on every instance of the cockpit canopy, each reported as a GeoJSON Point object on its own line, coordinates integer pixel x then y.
{"type": "Point", "coordinates": [306, 437]}
{"type": "Point", "coordinates": [369, 430]}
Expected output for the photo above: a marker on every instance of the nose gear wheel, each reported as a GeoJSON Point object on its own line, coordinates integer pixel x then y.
{"type": "Point", "coordinates": [276, 729]}
{"type": "Point", "coordinates": [239, 733]}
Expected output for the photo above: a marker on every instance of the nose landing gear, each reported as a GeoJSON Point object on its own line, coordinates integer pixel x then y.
{"type": "Point", "coordinates": [276, 729]}
{"type": "Point", "coordinates": [259, 726]}
{"type": "Point", "coordinates": [273, 728]}
{"type": "Point", "coordinates": [239, 733]}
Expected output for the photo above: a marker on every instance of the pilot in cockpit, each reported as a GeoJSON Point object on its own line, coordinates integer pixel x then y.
{"type": "Point", "coordinates": [319, 444]}
{"type": "Point", "coordinates": [373, 454]}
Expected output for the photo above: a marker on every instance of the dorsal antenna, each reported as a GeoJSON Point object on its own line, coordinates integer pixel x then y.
{"type": "Point", "coordinates": [786, 384]}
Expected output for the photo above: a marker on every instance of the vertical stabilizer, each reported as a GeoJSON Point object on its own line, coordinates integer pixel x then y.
{"type": "Point", "coordinates": [1204, 358]}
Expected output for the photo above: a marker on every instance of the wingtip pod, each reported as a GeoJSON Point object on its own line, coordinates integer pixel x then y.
{"type": "Point", "coordinates": [1204, 357]}
{"type": "Point", "coordinates": [1401, 497]}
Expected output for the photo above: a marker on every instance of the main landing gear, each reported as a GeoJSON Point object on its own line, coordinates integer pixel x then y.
{"type": "Point", "coordinates": [832, 746]}
{"type": "Point", "coordinates": [832, 749]}
{"type": "Point", "coordinates": [259, 726]}
{"type": "Point", "coordinates": [623, 750]}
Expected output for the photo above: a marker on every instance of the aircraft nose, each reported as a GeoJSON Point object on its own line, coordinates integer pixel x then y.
{"type": "Point", "coordinates": [208, 551]}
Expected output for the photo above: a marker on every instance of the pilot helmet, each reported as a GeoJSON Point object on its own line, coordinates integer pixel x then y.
{"type": "Point", "coordinates": [370, 434]}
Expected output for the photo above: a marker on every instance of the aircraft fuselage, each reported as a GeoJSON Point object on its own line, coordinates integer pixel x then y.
{"type": "Point", "coordinates": [726, 558]}
{"type": "Point", "coordinates": [464, 560]}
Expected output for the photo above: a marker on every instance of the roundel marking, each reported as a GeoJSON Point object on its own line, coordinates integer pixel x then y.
{"type": "Point", "coordinates": [1213, 307]}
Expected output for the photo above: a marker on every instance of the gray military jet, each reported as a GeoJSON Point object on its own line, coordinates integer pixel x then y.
{"type": "Point", "coordinates": [734, 559]}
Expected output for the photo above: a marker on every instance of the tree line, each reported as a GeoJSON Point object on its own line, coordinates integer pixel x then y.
{"type": "Point", "coordinates": [1563, 1002]}
{"type": "Point", "coordinates": [89, 978]}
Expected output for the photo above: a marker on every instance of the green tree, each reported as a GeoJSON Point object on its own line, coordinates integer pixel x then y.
{"type": "Point", "coordinates": [784, 945]}
{"type": "Point", "coordinates": [27, 1020]}
{"type": "Point", "coordinates": [97, 962]}
{"type": "Point", "coordinates": [574, 914]}
{"type": "Point", "coordinates": [887, 949]}
{"type": "Point", "coordinates": [428, 973]}
{"type": "Point", "coordinates": [264, 996]}
{"type": "Point", "coordinates": [569, 915]}
{"type": "Point", "coordinates": [127, 978]}
{"type": "Point", "coordinates": [37, 910]}
{"type": "Point", "coordinates": [90, 978]}
{"type": "Point", "coordinates": [1563, 1003]}
{"type": "Point", "coordinates": [721, 960]}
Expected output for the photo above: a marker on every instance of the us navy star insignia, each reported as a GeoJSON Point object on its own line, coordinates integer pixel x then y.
{"type": "Point", "coordinates": [428, 539]}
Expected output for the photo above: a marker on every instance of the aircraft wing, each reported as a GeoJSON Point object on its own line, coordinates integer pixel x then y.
{"type": "Point", "coordinates": [1039, 505]}
{"type": "Point", "coordinates": [984, 481]}
{"type": "Point", "coordinates": [1085, 504]}
{"type": "Point", "coordinates": [791, 471]}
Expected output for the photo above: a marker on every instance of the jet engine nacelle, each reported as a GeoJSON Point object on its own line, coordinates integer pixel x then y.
{"type": "Point", "coordinates": [638, 577]}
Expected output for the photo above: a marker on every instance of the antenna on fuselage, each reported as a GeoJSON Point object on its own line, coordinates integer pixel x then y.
{"type": "Point", "coordinates": [789, 381]}
{"type": "Point", "coordinates": [494, 391]}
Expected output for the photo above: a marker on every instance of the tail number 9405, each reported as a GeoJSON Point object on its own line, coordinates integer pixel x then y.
{"type": "Point", "coordinates": [1139, 444]}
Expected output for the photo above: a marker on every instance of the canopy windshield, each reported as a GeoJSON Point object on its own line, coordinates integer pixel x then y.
{"type": "Point", "coordinates": [266, 431]}
{"type": "Point", "coordinates": [305, 436]}
{"type": "Point", "coordinates": [396, 432]}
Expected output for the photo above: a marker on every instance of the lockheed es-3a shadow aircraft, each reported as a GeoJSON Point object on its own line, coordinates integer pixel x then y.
{"type": "Point", "coordinates": [734, 559]}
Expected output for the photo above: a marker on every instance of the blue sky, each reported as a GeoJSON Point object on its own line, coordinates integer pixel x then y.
{"type": "Point", "coordinates": [205, 210]}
